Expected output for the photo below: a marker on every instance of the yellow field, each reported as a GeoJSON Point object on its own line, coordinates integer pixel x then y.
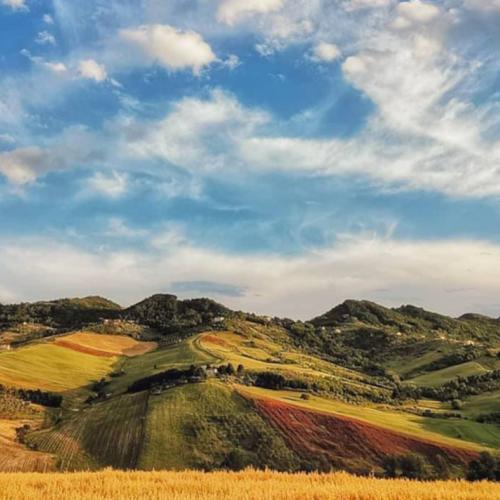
{"type": "Point", "coordinates": [51, 367]}
{"type": "Point", "coordinates": [105, 345]}
{"type": "Point", "coordinates": [14, 456]}
{"type": "Point", "coordinates": [247, 485]}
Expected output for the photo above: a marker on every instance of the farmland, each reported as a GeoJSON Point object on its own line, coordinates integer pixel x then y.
{"type": "Point", "coordinates": [351, 442]}
{"type": "Point", "coordinates": [104, 345]}
{"type": "Point", "coordinates": [51, 367]}
{"type": "Point", "coordinates": [107, 434]}
{"type": "Point", "coordinates": [439, 377]}
{"type": "Point", "coordinates": [246, 485]}
{"type": "Point", "coordinates": [471, 435]}
{"type": "Point", "coordinates": [207, 425]}
{"type": "Point", "coordinates": [14, 456]}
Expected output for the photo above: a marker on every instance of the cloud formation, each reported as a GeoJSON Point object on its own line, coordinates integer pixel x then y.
{"type": "Point", "coordinates": [233, 11]}
{"type": "Point", "coordinates": [169, 47]}
{"type": "Point", "coordinates": [450, 276]}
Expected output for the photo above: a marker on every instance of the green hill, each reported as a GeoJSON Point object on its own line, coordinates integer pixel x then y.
{"type": "Point", "coordinates": [225, 389]}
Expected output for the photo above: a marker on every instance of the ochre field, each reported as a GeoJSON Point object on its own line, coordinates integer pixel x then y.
{"type": "Point", "coordinates": [247, 485]}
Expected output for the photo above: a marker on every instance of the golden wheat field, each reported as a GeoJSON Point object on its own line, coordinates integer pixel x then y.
{"type": "Point", "coordinates": [247, 485]}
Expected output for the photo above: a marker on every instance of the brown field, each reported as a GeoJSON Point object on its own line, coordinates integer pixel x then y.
{"type": "Point", "coordinates": [14, 456]}
{"type": "Point", "coordinates": [246, 485]}
{"type": "Point", "coordinates": [105, 345]}
{"type": "Point", "coordinates": [347, 441]}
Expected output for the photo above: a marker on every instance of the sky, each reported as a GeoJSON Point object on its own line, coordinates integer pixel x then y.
{"type": "Point", "coordinates": [279, 156]}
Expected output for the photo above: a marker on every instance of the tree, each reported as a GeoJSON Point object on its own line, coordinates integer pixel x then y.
{"type": "Point", "coordinates": [391, 466]}
{"type": "Point", "coordinates": [414, 466]}
{"type": "Point", "coordinates": [456, 404]}
{"type": "Point", "coordinates": [484, 467]}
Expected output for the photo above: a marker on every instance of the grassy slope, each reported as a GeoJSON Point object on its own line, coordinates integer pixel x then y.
{"type": "Point", "coordinates": [254, 355]}
{"type": "Point", "coordinates": [460, 433]}
{"type": "Point", "coordinates": [50, 367]}
{"type": "Point", "coordinates": [106, 434]}
{"type": "Point", "coordinates": [487, 402]}
{"type": "Point", "coordinates": [200, 425]}
{"type": "Point", "coordinates": [175, 356]}
{"type": "Point", "coordinates": [439, 377]}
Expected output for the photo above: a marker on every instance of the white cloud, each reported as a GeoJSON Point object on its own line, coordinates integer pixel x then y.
{"type": "Point", "coordinates": [231, 62]}
{"type": "Point", "coordinates": [168, 46]}
{"type": "Point", "coordinates": [483, 5]}
{"type": "Point", "coordinates": [22, 165]}
{"type": "Point", "coordinates": [453, 276]}
{"type": "Point", "coordinates": [48, 19]}
{"type": "Point", "coordinates": [112, 185]}
{"type": "Point", "coordinates": [326, 52]}
{"type": "Point", "coordinates": [351, 5]}
{"type": "Point", "coordinates": [415, 11]}
{"type": "Point", "coordinates": [56, 67]}
{"type": "Point", "coordinates": [182, 136]}
{"type": "Point", "coordinates": [45, 38]}
{"type": "Point", "coordinates": [233, 11]}
{"type": "Point", "coordinates": [92, 70]}
{"type": "Point", "coordinates": [25, 164]}
{"type": "Point", "coordinates": [15, 4]}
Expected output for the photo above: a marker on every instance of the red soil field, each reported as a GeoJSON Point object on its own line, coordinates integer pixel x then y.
{"type": "Point", "coordinates": [84, 349]}
{"type": "Point", "coordinates": [349, 442]}
{"type": "Point", "coordinates": [212, 339]}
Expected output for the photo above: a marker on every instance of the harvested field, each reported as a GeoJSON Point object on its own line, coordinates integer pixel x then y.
{"type": "Point", "coordinates": [347, 441]}
{"type": "Point", "coordinates": [16, 457]}
{"type": "Point", "coordinates": [105, 345]}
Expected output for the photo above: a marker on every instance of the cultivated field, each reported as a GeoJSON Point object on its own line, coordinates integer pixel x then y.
{"type": "Point", "coordinates": [247, 485]}
{"type": "Point", "coordinates": [106, 434]}
{"type": "Point", "coordinates": [454, 432]}
{"type": "Point", "coordinates": [51, 367]}
{"type": "Point", "coordinates": [350, 442]}
{"type": "Point", "coordinates": [203, 426]}
{"type": "Point", "coordinates": [105, 345]}
{"type": "Point", "coordinates": [16, 457]}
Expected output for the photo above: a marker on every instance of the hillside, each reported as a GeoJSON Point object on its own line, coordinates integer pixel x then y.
{"type": "Point", "coordinates": [178, 384]}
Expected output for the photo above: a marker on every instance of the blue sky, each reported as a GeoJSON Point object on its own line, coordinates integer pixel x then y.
{"type": "Point", "coordinates": [276, 155]}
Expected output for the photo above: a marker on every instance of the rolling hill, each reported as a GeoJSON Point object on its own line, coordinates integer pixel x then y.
{"type": "Point", "coordinates": [176, 384]}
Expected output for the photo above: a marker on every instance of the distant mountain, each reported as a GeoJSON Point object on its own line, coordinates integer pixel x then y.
{"type": "Point", "coordinates": [60, 314]}
{"type": "Point", "coordinates": [410, 321]}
